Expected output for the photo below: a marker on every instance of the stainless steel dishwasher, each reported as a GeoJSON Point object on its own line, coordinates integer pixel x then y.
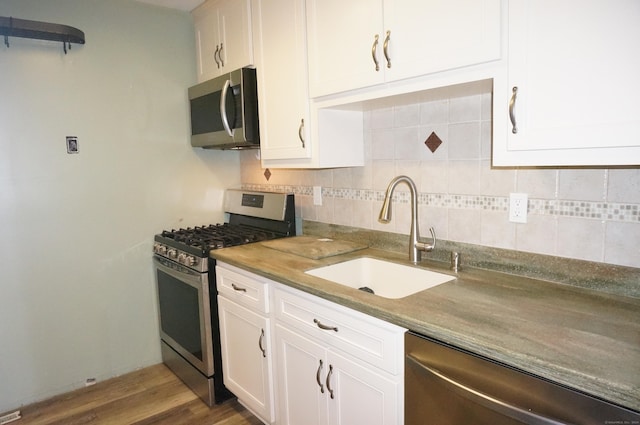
{"type": "Point", "coordinates": [448, 386]}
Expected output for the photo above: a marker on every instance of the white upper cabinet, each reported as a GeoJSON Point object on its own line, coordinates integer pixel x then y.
{"type": "Point", "coordinates": [571, 97]}
{"type": "Point", "coordinates": [281, 64]}
{"type": "Point", "coordinates": [361, 43]}
{"type": "Point", "coordinates": [223, 37]}
{"type": "Point", "coordinates": [340, 39]}
{"type": "Point", "coordinates": [290, 136]}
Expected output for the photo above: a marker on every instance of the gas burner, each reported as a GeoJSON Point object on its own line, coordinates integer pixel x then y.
{"type": "Point", "coordinates": [253, 217]}
{"type": "Point", "coordinates": [191, 246]}
{"type": "Point", "coordinates": [216, 236]}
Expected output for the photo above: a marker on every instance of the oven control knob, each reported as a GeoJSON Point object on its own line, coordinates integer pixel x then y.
{"type": "Point", "coordinates": [181, 258]}
{"type": "Point", "coordinates": [160, 249]}
{"type": "Point", "coordinates": [190, 260]}
{"type": "Point", "coordinates": [172, 253]}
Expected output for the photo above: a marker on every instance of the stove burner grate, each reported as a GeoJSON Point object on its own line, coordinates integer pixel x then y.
{"type": "Point", "coordinates": [216, 236]}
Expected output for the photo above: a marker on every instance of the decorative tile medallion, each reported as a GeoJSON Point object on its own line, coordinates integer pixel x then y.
{"type": "Point", "coordinates": [433, 142]}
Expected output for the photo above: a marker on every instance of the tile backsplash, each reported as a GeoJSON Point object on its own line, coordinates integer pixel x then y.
{"type": "Point", "coordinates": [583, 213]}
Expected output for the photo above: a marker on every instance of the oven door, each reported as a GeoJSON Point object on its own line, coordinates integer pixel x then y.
{"type": "Point", "coordinates": [185, 314]}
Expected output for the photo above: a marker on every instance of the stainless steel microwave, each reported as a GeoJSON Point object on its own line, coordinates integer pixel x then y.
{"type": "Point", "coordinates": [224, 111]}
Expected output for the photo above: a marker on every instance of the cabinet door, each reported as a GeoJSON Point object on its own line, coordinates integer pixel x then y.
{"type": "Point", "coordinates": [340, 37]}
{"type": "Point", "coordinates": [575, 65]}
{"type": "Point", "coordinates": [302, 370]}
{"type": "Point", "coordinates": [205, 20]}
{"type": "Point", "coordinates": [427, 36]}
{"type": "Point", "coordinates": [361, 395]}
{"type": "Point", "coordinates": [234, 20]}
{"type": "Point", "coordinates": [414, 38]}
{"type": "Point", "coordinates": [281, 60]}
{"type": "Point", "coordinates": [246, 357]}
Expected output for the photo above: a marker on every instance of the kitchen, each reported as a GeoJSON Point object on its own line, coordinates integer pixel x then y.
{"type": "Point", "coordinates": [85, 308]}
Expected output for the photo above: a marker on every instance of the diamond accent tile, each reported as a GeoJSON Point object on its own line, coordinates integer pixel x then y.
{"type": "Point", "coordinates": [267, 174]}
{"type": "Point", "coordinates": [433, 142]}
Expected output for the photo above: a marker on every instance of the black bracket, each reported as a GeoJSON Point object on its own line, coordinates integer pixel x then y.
{"type": "Point", "coordinates": [11, 27]}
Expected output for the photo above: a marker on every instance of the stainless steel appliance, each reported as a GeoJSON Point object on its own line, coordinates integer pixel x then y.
{"type": "Point", "coordinates": [188, 309]}
{"type": "Point", "coordinates": [224, 111]}
{"type": "Point", "coordinates": [448, 386]}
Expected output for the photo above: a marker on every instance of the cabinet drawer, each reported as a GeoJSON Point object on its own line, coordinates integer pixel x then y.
{"type": "Point", "coordinates": [369, 339]}
{"type": "Point", "coordinates": [241, 288]}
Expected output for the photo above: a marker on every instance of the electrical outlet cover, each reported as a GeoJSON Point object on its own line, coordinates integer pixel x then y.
{"type": "Point", "coordinates": [518, 205]}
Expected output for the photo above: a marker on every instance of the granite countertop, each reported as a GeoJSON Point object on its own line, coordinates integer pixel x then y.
{"type": "Point", "coordinates": [582, 338]}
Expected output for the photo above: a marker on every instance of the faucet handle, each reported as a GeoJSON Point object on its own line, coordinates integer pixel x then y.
{"type": "Point", "coordinates": [426, 247]}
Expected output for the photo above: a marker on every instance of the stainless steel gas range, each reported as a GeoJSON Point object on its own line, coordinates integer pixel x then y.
{"type": "Point", "coordinates": [188, 308]}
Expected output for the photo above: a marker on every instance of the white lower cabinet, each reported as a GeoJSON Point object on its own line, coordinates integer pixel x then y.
{"type": "Point", "coordinates": [319, 383]}
{"type": "Point", "coordinates": [320, 386]}
{"type": "Point", "coordinates": [245, 338]}
{"type": "Point", "coordinates": [324, 364]}
{"type": "Point", "coordinates": [302, 369]}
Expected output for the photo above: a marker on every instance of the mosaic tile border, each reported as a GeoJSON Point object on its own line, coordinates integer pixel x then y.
{"type": "Point", "coordinates": [555, 207]}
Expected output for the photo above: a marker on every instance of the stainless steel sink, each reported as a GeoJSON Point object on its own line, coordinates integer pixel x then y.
{"type": "Point", "coordinates": [383, 278]}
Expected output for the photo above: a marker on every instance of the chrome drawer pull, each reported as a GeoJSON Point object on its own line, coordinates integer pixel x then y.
{"type": "Point", "coordinates": [264, 353]}
{"type": "Point", "coordinates": [385, 49]}
{"type": "Point", "coordinates": [318, 377]}
{"type": "Point", "coordinates": [325, 327]}
{"type": "Point", "coordinates": [374, 48]}
{"type": "Point", "coordinates": [215, 56]}
{"type": "Point", "coordinates": [300, 129]}
{"type": "Point", "coordinates": [237, 288]}
{"type": "Point", "coordinates": [328, 381]}
{"type": "Point", "coordinates": [512, 106]}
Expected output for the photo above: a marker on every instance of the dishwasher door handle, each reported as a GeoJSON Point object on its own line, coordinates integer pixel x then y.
{"type": "Point", "coordinates": [486, 400]}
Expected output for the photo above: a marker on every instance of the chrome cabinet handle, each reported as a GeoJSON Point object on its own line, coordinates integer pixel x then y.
{"type": "Point", "coordinates": [300, 129]}
{"type": "Point", "coordinates": [215, 56]}
{"type": "Point", "coordinates": [223, 108]}
{"type": "Point", "coordinates": [374, 49]}
{"type": "Point", "coordinates": [238, 288]}
{"type": "Point", "coordinates": [385, 49]}
{"type": "Point", "coordinates": [328, 381]}
{"type": "Point", "coordinates": [487, 401]}
{"type": "Point", "coordinates": [512, 106]}
{"type": "Point", "coordinates": [220, 56]}
{"type": "Point", "coordinates": [318, 377]}
{"type": "Point", "coordinates": [260, 346]}
{"type": "Point", "coordinates": [325, 327]}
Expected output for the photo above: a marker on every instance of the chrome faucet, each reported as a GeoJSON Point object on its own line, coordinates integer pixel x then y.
{"type": "Point", "coordinates": [415, 246]}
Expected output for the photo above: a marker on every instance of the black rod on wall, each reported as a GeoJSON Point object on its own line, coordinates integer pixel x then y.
{"type": "Point", "coordinates": [12, 27]}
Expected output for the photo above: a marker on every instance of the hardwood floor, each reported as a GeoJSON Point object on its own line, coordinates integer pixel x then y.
{"type": "Point", "coordinates": [153, 395]}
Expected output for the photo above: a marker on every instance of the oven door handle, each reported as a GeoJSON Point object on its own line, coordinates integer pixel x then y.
{"type": "Point", "coordinates": [486, 400]}
{"type": "Point", "coordinates": [190, 277]}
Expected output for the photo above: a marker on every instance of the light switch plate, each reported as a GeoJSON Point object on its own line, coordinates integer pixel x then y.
{"type": "Point", "coordinates": [72, 144]}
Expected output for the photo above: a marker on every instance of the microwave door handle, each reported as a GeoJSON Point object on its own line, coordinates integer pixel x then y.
{"type": "Point", "coordinates": [486, 400]}
{"type": "Point", "coordinates": [223, 108]}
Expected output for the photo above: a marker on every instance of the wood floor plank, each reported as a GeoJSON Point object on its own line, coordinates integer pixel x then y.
{"type": "Point", "coordinates": [150, 396]}
{"type": "Point", "coordinates": [78, 402]}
